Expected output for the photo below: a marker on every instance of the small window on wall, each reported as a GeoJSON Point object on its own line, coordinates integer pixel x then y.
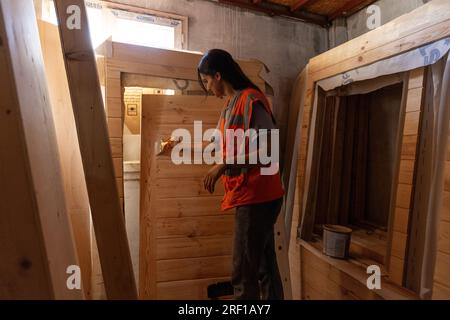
{"type": "Point", "coordinates": [127, 24]}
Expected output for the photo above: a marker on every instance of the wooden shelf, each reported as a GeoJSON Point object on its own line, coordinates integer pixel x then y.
{"type": "Point", "coordinates": [356, 269]}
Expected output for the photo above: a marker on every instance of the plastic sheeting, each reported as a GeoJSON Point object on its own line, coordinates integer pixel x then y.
{"type": "Point", "coordinates": [424, 56]}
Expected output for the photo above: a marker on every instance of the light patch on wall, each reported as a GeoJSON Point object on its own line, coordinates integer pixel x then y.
{"type": "Point", "coordinates": [122, 26]}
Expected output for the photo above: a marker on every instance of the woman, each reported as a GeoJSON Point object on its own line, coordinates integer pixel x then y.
{"type": "Point", "coordinates": [256, 197]}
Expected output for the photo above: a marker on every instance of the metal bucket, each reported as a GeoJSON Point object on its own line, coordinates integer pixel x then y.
{"type": "Point", "coordinates": [336, 241]}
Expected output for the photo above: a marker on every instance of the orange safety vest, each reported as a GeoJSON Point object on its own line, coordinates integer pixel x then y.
{"type": "Point", "coordinates": [246, 186]}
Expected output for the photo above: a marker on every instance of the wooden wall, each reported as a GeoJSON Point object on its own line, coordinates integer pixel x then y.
{"type": "Point", "coordinates": [124, 58]}
{"type": "Point", "coordinates": [433, 23]}
{"type": "Point", "coordinates": [186, 240]}
{"type": "Point", "coordinates": [194, 231]}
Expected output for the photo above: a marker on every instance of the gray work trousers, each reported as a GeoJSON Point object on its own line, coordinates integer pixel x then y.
{"type": "Point", "coordinates": [255, 273]}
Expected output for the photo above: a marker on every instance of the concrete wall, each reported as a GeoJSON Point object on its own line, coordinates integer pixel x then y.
{"type": "Point", "coordinates": [356, 25]}
{"type": "Point", "coordinates": [284, 45]}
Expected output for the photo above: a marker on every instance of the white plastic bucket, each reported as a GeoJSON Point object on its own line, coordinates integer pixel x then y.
{"type": "Point", "coordinates": [336, 240]}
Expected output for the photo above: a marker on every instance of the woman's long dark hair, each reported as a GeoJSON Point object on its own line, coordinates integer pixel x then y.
{"type": "Point", "coordinates": [218, 60]}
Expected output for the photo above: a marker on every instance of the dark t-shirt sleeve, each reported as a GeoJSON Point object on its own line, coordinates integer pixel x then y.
{"type": "Point", "coordinates": [261, 119]}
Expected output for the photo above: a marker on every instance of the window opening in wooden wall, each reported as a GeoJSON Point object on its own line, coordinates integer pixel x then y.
{"type": "Point", "coordinates": [359, 148]}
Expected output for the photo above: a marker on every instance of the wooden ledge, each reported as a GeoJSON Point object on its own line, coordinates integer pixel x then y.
{"type": "Point", "coordinates": [357, 270]}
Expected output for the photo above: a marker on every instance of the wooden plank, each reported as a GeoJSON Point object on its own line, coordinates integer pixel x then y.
{"type": "Point", "coordinates": [186, 289]}
{"type": "Point", "coordinates": [416, 78]}
{"type": "Point", "coordinates": [118, 167]}
{"type": "Point", "coordinates": [399, 35]}
{"type": "Point", "coordinates": [359, 178]}
{"type": "Point", "coordinates": [354, 271]}
{"type": "Point", "coordinates": [173, 58]}
{"type": "Point", "coordinates": [406, 172]}
{"type": "Point", "coordinates": [190, 207]}
{"type": "Point", "coordinates": [165, 168]}
{"type": "Point", "coordinates": [115, 128]}
{"type": "Point", "coordinates": [441, 292]}
{"type": "Point", "coordinates": [312, 167]}
{"type": "Point", "coordinates": [448, 149]}
{"type": "Point", "coordinates": [179, 112]}
{"type": "Point", "coordinates": [220, 225]}
{"type": "Point", "coordinates": [404, 196]}
{"type": "Point", "coordinates": [186, 187]}
{"type": "Point", "coordinates": [416, 231]}
{"type": "Point", "coordinates": [409, 147]}
{"type": "Point", "coordinates": [444, 237]}
{"type": "Point", "coordinates": [348, 150]}
{"type": "Point", "coordinates": [175, 208]}
{"type": "Point", "coordinates": [119, 183]}
{"type": "Point", "coordinates": [441, 273]}
{"type": "Point", "coordinates": [412, 120]}
{"type": "Point", "coordinates": [447, 176]}
{"type": "Point", "coordinates": [114, 106]}
{"type": "Point", "coordinates": [337, 164]}
{"type": "Point", "coordinates": [193, 268]}
{"type": "Point", "coordinates": [96, 153]}
{"type": "Point", "coordinates": [193, 247]}
{"type": "Point", "coordinates": [346, 287]}
{"type": "Point", "coordinates": [396, 266]}
{"type": "Point", "coordinates": [68, 147]}
{"type": "Point", "coordinates": [36, 245]}
{"type": "Point", "coordinates": [398, 244]}
{"type": "Point", "coordinates": [116, 147]}
{"type": "Point", "coordinates": [445, 212]}
{"type": "Point", "coordinates": [401, 217]}
{"type": "Point", "coordinates": [113, 88]}
{"type": "Point", "coordinates": [414, 100]}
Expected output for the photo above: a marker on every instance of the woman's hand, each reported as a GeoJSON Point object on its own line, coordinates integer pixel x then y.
{"type": "Point", "coordinates": [209, 181]}
{"type": "Point", "coordinates": [165, 147]}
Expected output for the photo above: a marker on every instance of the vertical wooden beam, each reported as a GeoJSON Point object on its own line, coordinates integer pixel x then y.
{"type": "Point", "coordinates": [68, 147]}
{"type": "Point", "coordinates": [36, 246]}
{"type": "Point", "coordinates": [92, 131]}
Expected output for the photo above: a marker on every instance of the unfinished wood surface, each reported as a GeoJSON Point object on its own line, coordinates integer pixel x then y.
{"type": "Point", "coordinates": [92, 131]}
{"type": "Point", "coordinates": [186, 289]}
{"type": "Point", "coordinates": [218, 225]}
{"type": "Point", "coordinates": [347, 277]}
{"type": "Point", "coordinates": [129, 59]}
{"type": "Point", "coordinates": [431, 23]}
{"type": "Point", "coordinates": [189, 207]}
{"type": "Point", "coordinates": [69, 149]}
{"type": "Point", "coordinates": [193, 268]}
{"type": "Point", "coordinates": [36, 246]}
{"type": "Point", "coordinates": [404, 202]}
{"type": "Point", "coordinates": [190, 247]}
{"type": "Point", "coordinates": [184, 236]}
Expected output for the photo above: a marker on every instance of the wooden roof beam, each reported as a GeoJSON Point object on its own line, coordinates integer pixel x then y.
{"type": "Point", "coordinates": [273, 9]}
{"type": "Point", "coordinates": [349, 8]}
{"type": "Point", "coordinates": [301, 3]}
